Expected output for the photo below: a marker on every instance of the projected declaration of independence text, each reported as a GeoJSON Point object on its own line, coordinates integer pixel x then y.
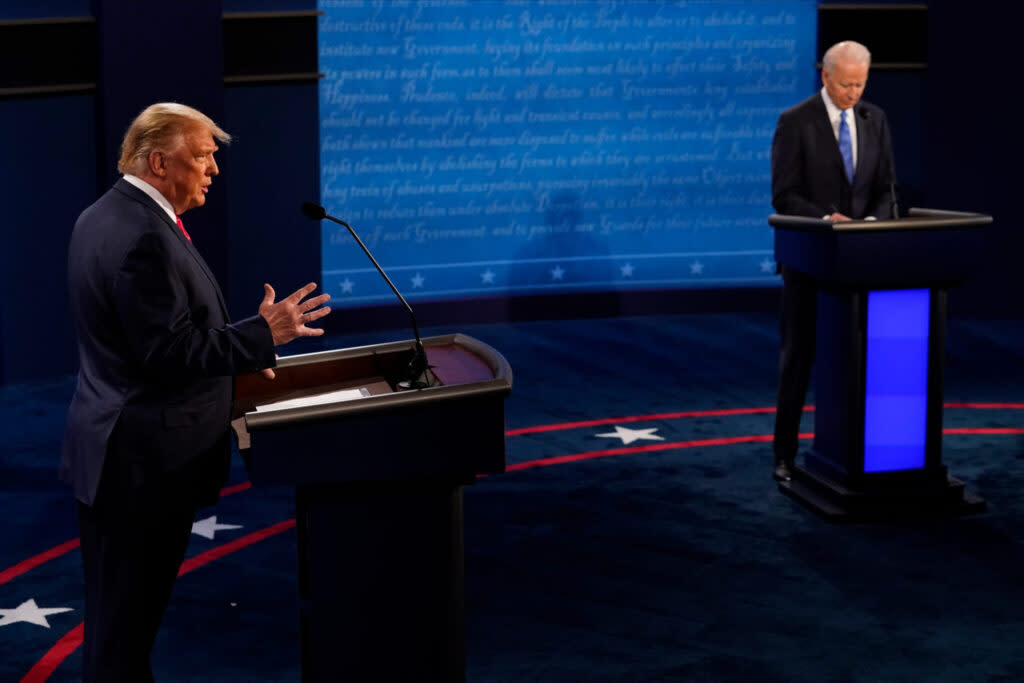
{"type": "Point", "coordinates": [495, 148]}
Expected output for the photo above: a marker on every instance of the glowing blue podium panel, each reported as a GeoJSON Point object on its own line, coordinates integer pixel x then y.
{"type": "Point", "coordinates": [896, 380]}
{"type": "Point", "coordinates": [509, 147]}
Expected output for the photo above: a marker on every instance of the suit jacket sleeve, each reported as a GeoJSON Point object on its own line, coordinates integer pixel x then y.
{"type": "Point", "coordinates": [171, 336]}
{"type": "Point", "coordinates": [884, 174]}
{"type": "Point", "coordinates": [788, 167]}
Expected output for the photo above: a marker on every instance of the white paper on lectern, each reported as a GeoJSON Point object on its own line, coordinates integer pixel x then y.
{"type": "Point", "coordinates": [315, 400]}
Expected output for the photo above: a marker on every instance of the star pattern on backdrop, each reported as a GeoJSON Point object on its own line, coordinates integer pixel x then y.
{"type": "Point", "coordinates": [558, 273]}
{"type": "Point", "coordinates": [208, 528]}
{"type": "Point", "coordinates": [628, 435]}
{"type": "Point", "coordinates": [31, 613]}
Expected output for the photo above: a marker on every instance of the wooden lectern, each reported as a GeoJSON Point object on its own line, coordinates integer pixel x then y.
{"type": "Point", "coordinates": [378, 476]}
{"type": "Point", "coordinates": [877, 451]}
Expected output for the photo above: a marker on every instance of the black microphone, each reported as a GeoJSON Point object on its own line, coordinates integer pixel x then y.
{"type": "Point", "coordinates": [416, 373]}
{"type": "Point", "coordinates": [314, 211]}
{"type": "Point", "coordinates": [895, 210]}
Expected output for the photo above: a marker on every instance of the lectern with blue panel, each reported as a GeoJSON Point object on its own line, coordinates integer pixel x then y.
{"type": "Point", "coordinates": [877, 451]}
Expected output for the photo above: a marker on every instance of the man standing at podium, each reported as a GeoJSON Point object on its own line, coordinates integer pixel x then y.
{"type": "Point", "coordinates": [147, 441]}
{"type": "Point", "coordinates": [831, 159]}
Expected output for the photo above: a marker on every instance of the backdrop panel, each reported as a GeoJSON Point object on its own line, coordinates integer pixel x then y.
{"type": "Point", "coordinates": [501, 148]}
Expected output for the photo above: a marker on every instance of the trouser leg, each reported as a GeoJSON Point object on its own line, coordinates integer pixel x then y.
{"type": "Point", "coordinates": [131, 556]}
{"type": "Point", "coordinates": [797, 327]}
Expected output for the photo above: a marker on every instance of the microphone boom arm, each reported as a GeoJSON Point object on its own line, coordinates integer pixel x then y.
{"type": "Point", "coordinates": [408, 308]}
{"type": "Point", "coordinates": [417, 373]}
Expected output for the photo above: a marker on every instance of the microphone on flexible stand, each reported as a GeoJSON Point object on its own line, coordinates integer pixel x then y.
{"type": "Point", "coordinates": [895, 211]}
{"type": "Point", "coordinates": [892, 186]}
{"type": "Point", "coordinates": [417, 373]}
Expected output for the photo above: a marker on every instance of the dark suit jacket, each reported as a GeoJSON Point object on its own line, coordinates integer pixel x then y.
{"type": "Point", "coordinates": [156, 350]}
{"type": "Point", "coordinates": [807, 169]}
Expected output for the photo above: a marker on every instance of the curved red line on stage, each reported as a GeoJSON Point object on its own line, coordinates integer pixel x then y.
{"type": "Point", "coordinates": [236, 488]}
{"type": "Point", "coordinates": [976, 431]}
{"type": "Point", "coordinates": [208, 556]}
{"type": "Point", "coordinates": [67, 546]}
{"type": "Point", "coordinates": [647, 448]}
{"type": "Point", "coordinates": [722, 441]}
{"type": "Point", "coordinates": [61, 650]}
{"type": "Point", "coordinates": [640, 418]}
{"type": "Point", "coordinates": [986, 406]}
{"type": "Point", "coordinates": [70, 642]}
{"type": "Point", "coordinates": [713, 413]}
{"type": "Point", "coordinates": [33, 562]}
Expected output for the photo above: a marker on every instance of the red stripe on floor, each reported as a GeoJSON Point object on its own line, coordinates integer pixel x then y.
{"type": "Point", "coordinates": [57, 654]}
{"type": "Point", "coordinates": [33, 562]}
{"type": "Point", "coordinates": [640, 418]}
{"type": "Point", "coordinates": [67, 546]}
{"type": "Point", "coordinates": [208, 556]}
{"type": "Point", "coordinates": [73, 639]}
{"type": "Point", "coordinates": [648, 448]}
{"type": "Point", "coordinates": [63, 648]}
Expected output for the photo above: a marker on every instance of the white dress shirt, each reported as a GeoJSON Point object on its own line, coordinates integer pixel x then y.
{"type": "Point", "coordinates": [834, 113]}
{"type": "Point", "coordinates": [153, 193]}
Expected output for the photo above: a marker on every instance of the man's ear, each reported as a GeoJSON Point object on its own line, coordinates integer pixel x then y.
{"type": "Point", "coordinates": [157, 163]}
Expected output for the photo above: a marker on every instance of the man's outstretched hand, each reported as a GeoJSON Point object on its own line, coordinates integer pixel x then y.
{"type": "Point", "coordinates": [289, 316]}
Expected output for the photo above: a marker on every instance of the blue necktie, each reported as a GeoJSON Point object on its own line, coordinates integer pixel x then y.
{"type": "Point", "coordinates": [845, 146]}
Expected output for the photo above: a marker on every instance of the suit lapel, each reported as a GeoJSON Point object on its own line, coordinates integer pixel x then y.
{"type": "Point", "coordinates": [206, 270]}
{"type": "Point", "coordinates": [186, 244]}
{"type": "Point", "coordinates": [867, 143]}
{"type": "Point", "coordinates": [827, 138]}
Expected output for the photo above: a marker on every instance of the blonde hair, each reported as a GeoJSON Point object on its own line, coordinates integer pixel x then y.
{"type": "Point", "coordinates": [160, 127]}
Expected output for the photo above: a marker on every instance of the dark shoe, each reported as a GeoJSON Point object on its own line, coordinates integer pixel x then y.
{"type": "Point", "coordinates": [783, 470]}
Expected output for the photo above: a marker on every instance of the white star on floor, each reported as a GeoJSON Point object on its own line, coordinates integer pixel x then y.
{"type": "Point", "coordinates": [696, 268]}
{"type": "Point", "coordinates": [487, 277]}
{"type": "Point", "coordinates": [31, 612]}
{"type": "Point", "coordinates": [557, 273]}
{"type": "Point", "coordinates": [627, 270]}
{"type": "Point", "coordinates": [417, 281]}
{"type": "Point", "coordinates": [767, 266]}
{"type": "Point", "coordinates": [208, 528]}
{"type": "Point", "coordinates": [628, 435]}
{"type": "Point", "coordinates": [346, 286]}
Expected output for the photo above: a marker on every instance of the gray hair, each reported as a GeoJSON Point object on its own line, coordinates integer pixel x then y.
{"type": "Point", "coordinates": [847, 51]}
{"type": "Point", "coordinates": [159, 127]}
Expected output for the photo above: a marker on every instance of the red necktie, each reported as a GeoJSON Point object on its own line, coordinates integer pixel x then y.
{"type": "Point", "coordinates": [182, 226]}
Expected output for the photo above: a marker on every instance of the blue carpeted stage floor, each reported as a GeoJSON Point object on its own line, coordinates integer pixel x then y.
{"type": "Point", "coordinates": [664, 552]}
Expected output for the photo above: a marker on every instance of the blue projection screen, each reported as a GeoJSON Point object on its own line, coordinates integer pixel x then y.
{"type": "Point", "coordinates": [496, 148]}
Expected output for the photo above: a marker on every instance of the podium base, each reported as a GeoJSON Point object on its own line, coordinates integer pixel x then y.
{"type": "Point", "coordinates": [837, 503]}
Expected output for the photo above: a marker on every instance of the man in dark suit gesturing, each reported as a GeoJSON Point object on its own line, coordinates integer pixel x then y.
{"type": "Point", "coordinates": [147, 440]}
{"type": "Point", "coordinates": [831, 159]}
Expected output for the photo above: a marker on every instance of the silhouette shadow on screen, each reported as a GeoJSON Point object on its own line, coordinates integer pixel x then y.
{"type": "Point", "coordinates": [564, 253]}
